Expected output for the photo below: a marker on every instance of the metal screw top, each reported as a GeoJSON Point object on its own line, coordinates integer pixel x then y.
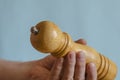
{"type": "Point", "coordinates": [34, 30]}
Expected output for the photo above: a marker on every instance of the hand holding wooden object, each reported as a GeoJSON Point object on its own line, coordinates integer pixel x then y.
{"type": "Point", "coordinates": [46, 37]}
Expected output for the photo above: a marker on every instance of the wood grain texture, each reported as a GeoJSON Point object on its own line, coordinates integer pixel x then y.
{"type": "Point", "coordinates": [50, 39]}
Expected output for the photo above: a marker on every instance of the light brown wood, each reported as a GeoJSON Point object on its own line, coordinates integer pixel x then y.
{"type": "Point", "coordinates": [46, 37]}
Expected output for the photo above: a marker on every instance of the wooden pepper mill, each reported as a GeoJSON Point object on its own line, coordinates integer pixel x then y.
{"type": "Point", "coordinates": [46, 37]}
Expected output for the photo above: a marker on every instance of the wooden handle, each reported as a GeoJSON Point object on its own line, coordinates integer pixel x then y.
{"type": "Point", "coordinates": [46, 37]}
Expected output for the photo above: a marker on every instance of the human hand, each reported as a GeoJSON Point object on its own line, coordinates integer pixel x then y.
{"type": "Point", "coordinates": [72, 67]}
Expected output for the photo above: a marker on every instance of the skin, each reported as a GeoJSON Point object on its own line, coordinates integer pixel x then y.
{"type": "Point", "coordinates": [71, 67]}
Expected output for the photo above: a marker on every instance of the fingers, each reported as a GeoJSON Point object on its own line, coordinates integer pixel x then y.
{"type": "Point", "coordinates": [56, 70]}
{"type": "Point", "coordinates": [80, 66]}
{"type": "Point", "coordinates": [73, 67]}
{"type": "Point", "coordinates": [91, 72]}
{"type": "Point", "coordinates": [81, 41]}
{"type": "Point", "coordinates": [69, 66]}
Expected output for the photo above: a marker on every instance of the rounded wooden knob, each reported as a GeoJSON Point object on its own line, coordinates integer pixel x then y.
{"type": "Point", "coordinates": [48, 38]}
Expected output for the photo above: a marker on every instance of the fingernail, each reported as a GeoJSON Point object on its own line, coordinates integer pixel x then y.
{"type": "Point", "coordinates": [91, 65]}
{"type": "Point", "coordinates": [80, 54]}
{"type": "Point", "coordinates": [71, 54]}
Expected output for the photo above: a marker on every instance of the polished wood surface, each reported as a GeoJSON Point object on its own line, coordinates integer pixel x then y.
{"type": "Point", "coordinates": [46, 37]}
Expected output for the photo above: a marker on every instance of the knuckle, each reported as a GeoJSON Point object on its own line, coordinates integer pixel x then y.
{"type": "Point", "coordinates": [67, 78]}
{"type": "Point", "coordinates": [79, 78]}
{"type": "Point", "coordinates": [71, 63]}
{"type": "Point", "coordinates": [80, 65]}
{"type": "Point", "coordinates": [58, 67]}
